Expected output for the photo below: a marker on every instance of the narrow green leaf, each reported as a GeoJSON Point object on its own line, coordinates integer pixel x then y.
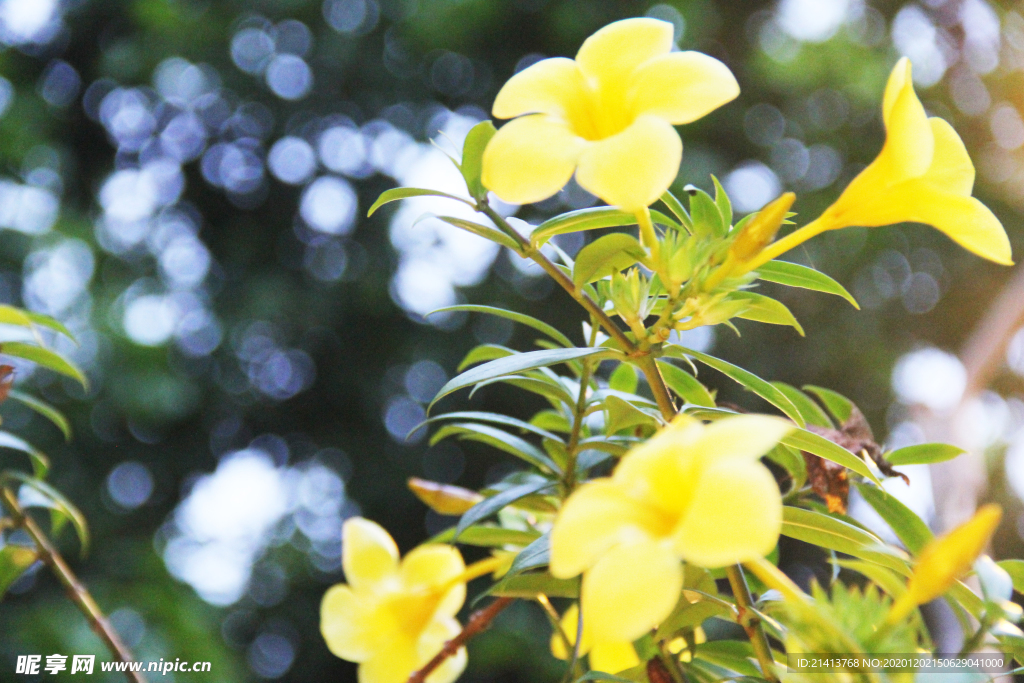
{"type": "Point", "coordinates": [40, 463]}
{"type": "Point", "coordinates": [529, 586]}
{"type": "Point", "coordinates": [624, 415]}
{"type": "Point", "coordinates": [811, 411]}
{"type": "Point", "coordinates": [484, 352]}
{"type": "Point", "coordinates": [499, 439]}
{"type": "Point", "coordinates": [44, 409]}
{"type": "Point", "coordinates": [1015, 568]}
{"type": "Point", "coordinates": [397, 193]}
{"type": "Point", "coordinates": [514, 316]}
{"type": "Point", "coordinates": [923, 454]}
{"type": "Point", "coordinates": [746, 379]}
{"type": "Point", "coordinates": [47, 321]}
{"type": "Point", "coordinates": [9, 315]}
{"type": "Point", "coordinates": [689, 615]}
{"type": "Point", "coordinates": [804, 440]}
{"type": "Point", "coordinates": [796, 275]}
{"type": "Point", "coordinates": [685, 385]}
{"type": "Point", "coordinates": [624, 379]}
{"type": "Point", "coordinates": [59, 500]}
{"type": "Point", "coordinates": [834, 534]}
{"type": "Point", "coordinates": [487, 536]}
{"type": "Point", "coordinates": [837, 404]}
{"type": "Point", "coordinates": [723, 203]}
{"type": "Point", "coordinates": [707, 219]}
{"type": "Point", "coordinates": [492, 505]}
{"type": "Point", "coordinates": [46, 358]}
{"type": "Point", "coordinates": [537, 554]}
{"type": "Point", "coordinates": [904, 522]}
{"type": "Point", "coordinates": [602, 676]}
{"type": "Point", "coordinates": [487, 232]}
{"type": "Point", "coordinates": [889, 581]}
{"type": "Point", "coordinates": [519, 363]}
{"type": "Point", "coordinates": [496, 418]}
{"type": "Point", "coordinates": [578, 221]}
{"type": "Point", "coordinates": [677, 209]}
{"type": "Point", "coordinates": [764, 309]}
{"type": "Point", "coordinates": [606, 256]}
{"type": "Point", "coordinates": [792, 461]}
{"type": "Point", "coordinates": [14, 561]}
{"type": "Point", "coordinates": [473, 155]}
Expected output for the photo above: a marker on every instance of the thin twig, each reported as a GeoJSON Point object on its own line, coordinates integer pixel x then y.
{"type": "Point", "coordinates": [750, 622]}
{"type": "Point", "coordinates": [477, 624]}
{"type": "Point", "coordinates": [78, 593]}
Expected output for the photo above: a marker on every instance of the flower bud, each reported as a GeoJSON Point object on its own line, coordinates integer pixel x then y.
{"type": "Point", "coordinates": [444, 499]}
{"type": "Point", "coordinates": [760, 231]}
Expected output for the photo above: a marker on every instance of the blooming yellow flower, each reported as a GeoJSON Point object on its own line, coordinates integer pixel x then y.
{"type": "Point", "coordinates": [607, 115]}
{"type": "Point", "coordinates": [947, 559]}
{"type": "Point", "coordinates": [692, 492]}
{"type": "Point", "coordinates": [609, 657]}
{"type": "Point", "coordinates": [393, 617]}
{"type": "Point", "coordinates": [923, 174]}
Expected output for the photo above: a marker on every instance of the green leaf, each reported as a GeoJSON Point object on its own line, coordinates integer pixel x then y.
{"type": "Point", "coordinates": [529, 586]}
{"type": "Point", "coordinates": [519, 363]}
{"type": "Point", "coordinates": [14, 561]}
{"type": "Point", "coordinates": [923, 454]}
{"type": "Point", "coordinates": [834, 534]}
{"type": "Point", "coordinates": [502, 440]}
{"type": "Point", "coordinates": [397, 193]}
{"type": "Point", "coordinates": [537, 554]}
{"type": "Point", "coordinates": [60, 502]}
{"type": "Point", "coordinates": [624, 415]}
{"type": "Point", "coordinates": [9, 315]}
{"type": "Point", "coordinates": [484, 352]}
{"type": "Point", "coordinates": [46, 358]}
{"type": "Point", "coordinates": [796, 275]}
{"type": "Point", "coordinates": [492, 505]}
{"type": "Point", "coordinates": [811, 411]}
{"type": "Point", "coordinates": [707, 219]}
{"type": "Point", "coordinates": [689, 615]}
{"type": "Point", "coordinates": [602, 676]}
{"type": "Point", "coordinates": [44, 409]}
{"type": "Point", "coordinates": [473, 155]}
{"type": "Point", "coordinates": [520, 318]}
{"type": "Point", "coordinates": [887, 580]}
{"type": "Point", "coordinates": [685, 385]}
{"type": "Point", "coordinates": [723, 203]}
{"type": "Point", "coordinates": [624, 379]}
{"type": "Point", "coordinates": [745, 378]}
{"type": "Point", "coordinates": [1015, 568]}
{"type": "Point", "coordinates": [792, 461]}
{"type": "Point", "coordinates": [578, 221]}
{"type": "Point", "coordinates": [556, 393]}
{"type": "Point", "coordinates": [47, 321]}
{"type": "Point", "coordinates": [804, 440]}
{"type": "Point", "coordinates": [496, 418]}
{"type": "Point", "coordinates": [606, 256]}
{"type": "Point", "coordinates": [764, 309]}
{"type": "Point", "coordinates": [904, 522]}
{"type": "Point", "coordinates": [486, 536]}
{"type": "Point", "coordinates": [40, 463]}
{"type": "Point", "coordinates": [677, 209]}
{"type": "Point", "coordinates": [487, 232]}
{"type": "Point", "coordinates": [837, 404]}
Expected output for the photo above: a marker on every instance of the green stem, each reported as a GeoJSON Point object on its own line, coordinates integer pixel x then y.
{"type": "Point", "coordinates": [581, 407]}
{"type": "Point", "coordinates": [750, 622]}
{"type": "Point", "coordinates": [78, 593]}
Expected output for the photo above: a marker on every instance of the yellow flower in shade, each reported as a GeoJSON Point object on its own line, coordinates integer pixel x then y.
{"type": "Point", "coordinates": [607, 115]}
{"type": "Point", "coordinates": [923, 175]}
{"type": "Point", "coordinates": [692, 492]}
{"type": "Point", "coordinates": [947, 559]}
{"type": "Point", "coordinates": [392, 617]}
{"type": "Point", "coordinates": [609, 657]}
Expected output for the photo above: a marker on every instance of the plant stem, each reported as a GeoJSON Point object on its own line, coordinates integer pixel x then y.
{"type": "Point", "coordinates": [478, 622]}
{"type": "Point", "coordinates": [78, 593]}
{"type": "Point", "coordinates": [656, 382]}
{"type": "Point", "coordinates": [581, 407]}
{"type": "Point", "coordinates": [750, 621]}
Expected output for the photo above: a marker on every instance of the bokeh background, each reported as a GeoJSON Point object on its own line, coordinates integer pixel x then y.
{"type": "Point", "coordinates": [184, 183]}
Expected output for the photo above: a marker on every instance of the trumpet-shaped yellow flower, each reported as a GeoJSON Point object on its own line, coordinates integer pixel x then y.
{"type": "Point", "coordinates": [610, 657]}
{"type": "Point", "coordinates": [692, 492]}
{"type": "Point", "coordinates": [923, 174]}
{"type": "Point", "coordinates": [393, 617]}
{"type": "Point", "coordinates": [947, 559]}
{"type": "Point", "coordinates": [607, 115]}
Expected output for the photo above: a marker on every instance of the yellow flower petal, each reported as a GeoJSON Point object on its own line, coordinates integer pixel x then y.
{"type": "Point", "coordinates": [343, 624]}
{"type": "Point", "coordinates": [432, 566]}
{"type": "Point", "coordinates": [610, 55]}
{"type": "Point", "coordinates": [369, 554]}
{"type": "Point", "coordinates": [635, 167]}
{"type": "Point", "coordinates": [530, 159]}
{"type": "Point", "coordinates": [596, 517]}
{"type": "Point", "coordinates": [433, 639]}
{"type": "Point", "coordinates": [909, 142]}
{"type": "Point", "coordinates": [900, 77]}
{"type": "Point", "coordinates": [630, 590]}
{"type": "Point", "coordinates": [551, 86]}
{"type": "Point", "coordinates": [745, 436]}
{"type": "Point", "coordinates": [570, 624]}
{"type": "Point", "coordinates": [681, 87]}
{"type": "Point", "coordinates": [951, 170]}
{"type": "Point", "coordinates": [735, 516]}
{"type": "Point", "coordinates": [393, 665]}
{"type": "Point", "coordinates": [613, 657]}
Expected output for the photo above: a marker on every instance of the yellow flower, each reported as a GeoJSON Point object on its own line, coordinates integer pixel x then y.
{"type": "Point", "coordinates": [607, 115]}
{"type": "Point", "coordinates": [393, 617]}
{"type": "Point", "coordinates": [692, 492]}
{"type": "Point", "coordinates": [947, 559]}
{"type": "Point", "coordinates": [923, 174]}
{"type": "Point", "coordinates": [609, 657]}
